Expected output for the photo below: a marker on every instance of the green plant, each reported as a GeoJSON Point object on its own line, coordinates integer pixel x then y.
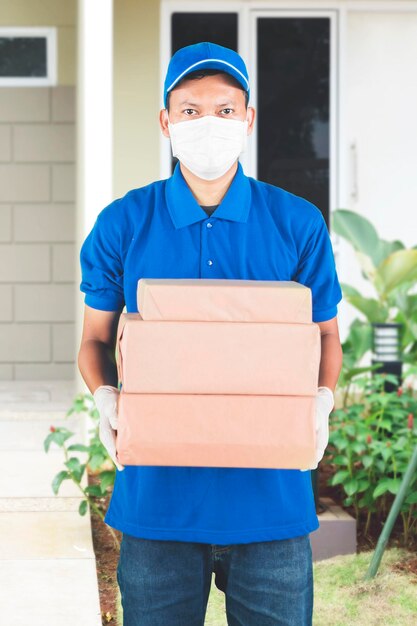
{"type": "Point", "coordinates": [370, 444]}
{"type": "Point", "coordinates": [357, 342]}
{"type": "Point", "coordinates": [392, 271]}
{"type": "Point", "coordinates": [97, 459]}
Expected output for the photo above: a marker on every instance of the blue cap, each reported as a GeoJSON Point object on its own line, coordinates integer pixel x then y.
{"type": "Point", "coordinates": [205, 55]}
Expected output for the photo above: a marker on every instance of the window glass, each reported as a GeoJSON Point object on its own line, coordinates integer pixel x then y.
{"type": "Point", "coordinates": [23, 56]}
{"type": "Point", "coordinates": [293, 66]}
{"type": "Point", "coordinates": [189, 28]}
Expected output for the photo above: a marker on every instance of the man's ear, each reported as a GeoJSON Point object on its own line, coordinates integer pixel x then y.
{"type": "Point", "coordinates": [163, 122]}
{"type": "Point", "coordinates": [251, 114]}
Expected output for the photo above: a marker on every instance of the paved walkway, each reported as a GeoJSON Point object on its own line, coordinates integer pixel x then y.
{"type": "Point", "coordinates": [47, 563]}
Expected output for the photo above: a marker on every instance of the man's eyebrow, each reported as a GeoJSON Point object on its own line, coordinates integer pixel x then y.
{"type": "Point", "coordinates": [188, 102]}
{"type": "Point", "coordinates": [194, 104]}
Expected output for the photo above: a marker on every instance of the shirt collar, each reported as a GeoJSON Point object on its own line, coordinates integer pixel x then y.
{"type": "Point", "coordinates": [185, 210]}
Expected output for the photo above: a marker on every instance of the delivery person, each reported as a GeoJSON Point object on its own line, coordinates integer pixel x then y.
{"type": "Point", "coordinates": [208, 220]}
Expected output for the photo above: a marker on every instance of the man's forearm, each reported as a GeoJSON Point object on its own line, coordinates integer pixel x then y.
{"type": "Point", "coordinates": [97, 364]}
{"type": "Point", "coordinates": [331, 360]}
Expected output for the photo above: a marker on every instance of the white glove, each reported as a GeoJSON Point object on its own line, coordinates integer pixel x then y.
{"type": "Point", "coordinates": [324, 406]}
{"type": "Point", "coordinates": [106, 398]}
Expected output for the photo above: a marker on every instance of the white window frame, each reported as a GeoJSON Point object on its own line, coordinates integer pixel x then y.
{"type": "Point", "coordinates": [51, 57]}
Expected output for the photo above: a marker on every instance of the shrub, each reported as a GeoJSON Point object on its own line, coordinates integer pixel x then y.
{"type": "Point", "coordinates": [370, 446]}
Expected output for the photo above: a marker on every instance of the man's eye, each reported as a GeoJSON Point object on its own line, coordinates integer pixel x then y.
{"type": "Point", "coordinates": [189, 111]}
{"type": "Point", "coordinates": [227, 111]}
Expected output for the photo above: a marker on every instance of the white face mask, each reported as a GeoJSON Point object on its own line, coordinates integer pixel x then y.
{"type": "Point", "coordinates": [209, 145]}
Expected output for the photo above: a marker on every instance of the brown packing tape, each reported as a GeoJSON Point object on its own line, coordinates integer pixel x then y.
{"type": "Point", "coordinates": [120, 328]}
{"type": "Point", "coordinates": [119, 334]}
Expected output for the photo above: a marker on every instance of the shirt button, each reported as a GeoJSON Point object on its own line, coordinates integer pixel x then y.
{"type": "Point", "coordinates": [209, 224]}
{"type": "Point", "coordinates": [209, 262]}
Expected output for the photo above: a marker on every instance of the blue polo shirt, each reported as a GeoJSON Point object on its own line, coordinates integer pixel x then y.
{"type": "Point", "coordinates": [258, 232]}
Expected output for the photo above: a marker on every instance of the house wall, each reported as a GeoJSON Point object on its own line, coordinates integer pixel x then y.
{"type": "Point", "coordinates": [37, 213]}
{"type": "Point", "coordinates": [381, 101]}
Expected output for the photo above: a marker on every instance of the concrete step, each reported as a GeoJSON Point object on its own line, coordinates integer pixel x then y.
{"type": "Point", "coordinates": [49, 592]}
{"type": "Point", "coordinates": [29, 434]}
{"type": "Point", "coordinates": [45, 535]}
{"type": "Point", "coordinates": [336, 534]}
{"type": "Point", "coordinates": [29, 474]}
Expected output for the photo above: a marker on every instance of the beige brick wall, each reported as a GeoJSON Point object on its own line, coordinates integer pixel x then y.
{"type": "Point", "coordinates": [37, 233]}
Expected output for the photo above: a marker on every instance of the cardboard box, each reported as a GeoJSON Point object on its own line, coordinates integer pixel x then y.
{"type": "Point", "coordinates": [218, 373]}
{"type": "Point", "coordinates": [216, 430]}
{"type": "Point", "coordinates": [221, 299]}
{"type": "Point", "coordinates": [218, 357]}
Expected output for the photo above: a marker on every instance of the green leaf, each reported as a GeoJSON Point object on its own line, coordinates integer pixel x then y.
{"type": "Point", "coordinates": [358, 447]}
{"type": "Point", "coordinates": [386, 453]}
{"type": "Point", "coordinates": [363, 485]}
{"type": "Point", "coordinates": [340, 459]}
{"type": "Point", "coordinates": [373, 310]}
{"type": "Point", "coordinates": [349, 429]}
{"type": "Point", "coordinates": [94, 490]}
{"type": "Point", "coordinates": [367, 461]}
{"type": "Point", "coordinates": [59, 437]}
{"type": "Point", "coordinates": [106, 480]}
{"type": "Point", "coordinates": [75, 467]}
{"type": "Point", "coordinates": [386, 424]}
{"type": "Point", "coordinates": [357, 230]}
{"type": "Point", "coordinates": [412, 498]}
{"type": "Point", "coordinates": [349, 291]}
{"type": "Point", "coordinates": [385, 248]}
{"type": "Point", "coordinates": [358, 341]}
{"type": "Point", "coordinates": [341, 444]}
{"type": "Point", "coordinates": [58, 479]}
{"type": "Point", "coordinates": [394, 485]}
{"type": "Point", "coordinates": [380, 489]}
{"type": "Point", "coordinates": [380, 465]}
{"type": "Point", "coordinates": [351, 486]}
{"type": "Point", "coordinates": [82, 509]}
{"type": "Point", "coordinates": [79, 403]}
{"type": "Point", "coordinates": [400, 267]}
{"type": "Point", "coordinates": [339, 477]}
{"type": "Point", "coordinates": [80, 447]}
{"type": "Point", "coordinates": [97, 459]}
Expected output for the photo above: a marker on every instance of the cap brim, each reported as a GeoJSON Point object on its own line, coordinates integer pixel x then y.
{"type": "Point", "coordinates": [213, 64]}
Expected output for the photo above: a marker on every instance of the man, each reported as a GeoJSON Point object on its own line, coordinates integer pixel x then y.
{"type": "Point", "coordinates": [208, 220]}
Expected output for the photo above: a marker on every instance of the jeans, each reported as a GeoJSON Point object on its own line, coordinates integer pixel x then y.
{"type": "Point", "coordinates": [167, 583]}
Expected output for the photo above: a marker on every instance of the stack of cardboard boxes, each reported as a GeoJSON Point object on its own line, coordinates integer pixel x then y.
{"type": "Point", "coordinates": [218, 372]}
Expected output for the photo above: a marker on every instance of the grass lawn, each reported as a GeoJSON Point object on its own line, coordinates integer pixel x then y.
{"type": "Point", "coordinates": [341, 598]}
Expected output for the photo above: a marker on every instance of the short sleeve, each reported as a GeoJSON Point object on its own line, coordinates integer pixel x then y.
{"type": "Point", "coordinates": [317, 270]}
{"type": "Point", "coordinates": [101, 264]}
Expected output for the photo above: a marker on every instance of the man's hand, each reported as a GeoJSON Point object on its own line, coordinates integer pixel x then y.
{"type": "Point", "coordinates": [106, 398]}
{"type": "Point", "coordinates": [324, 406]}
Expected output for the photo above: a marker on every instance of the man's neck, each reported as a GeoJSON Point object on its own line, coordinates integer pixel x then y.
{"type": "Point", "coordinates": [209, 192]}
